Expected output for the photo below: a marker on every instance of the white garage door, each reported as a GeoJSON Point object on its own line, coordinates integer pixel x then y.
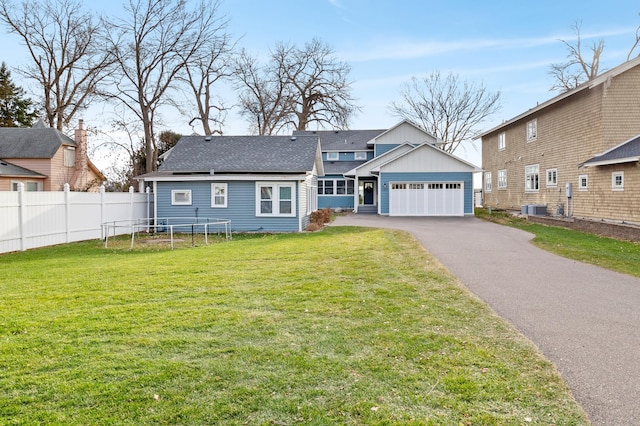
{"type": "Point", "coordinates": [426, 199]}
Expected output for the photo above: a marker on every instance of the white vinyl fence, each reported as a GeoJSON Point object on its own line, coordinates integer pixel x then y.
{"type": "Point", "coordinates": [37, 219]}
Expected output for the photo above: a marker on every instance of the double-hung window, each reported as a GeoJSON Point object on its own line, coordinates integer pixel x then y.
{"type": "Point", "coordinates": [275, 199]}
{"type": "Point", "coordinates": [487, 182]}
{"type": "Point", "coordinates": [218, 195]}
{"type": "Point", "coordinates": [552, 177]}
{"type": "Point", "coordinates": [502, 141]}
{"type": "Point", "coordinates": [532, 130]}
{"type": "Point", "coordinates": [617, 181]}
{"type": "Point", "coordinates": [532, 178]}
{"type": "Point", "coordinates": [502, 179]}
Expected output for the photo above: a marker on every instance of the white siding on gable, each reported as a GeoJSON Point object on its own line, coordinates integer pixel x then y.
{"type": "Point", "coordinates": [427, 158]}
{"type": "Point", "coordinates": [405, 132]}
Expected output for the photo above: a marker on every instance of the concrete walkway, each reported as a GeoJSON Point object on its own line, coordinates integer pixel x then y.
{"type": "Point", "coordinates": [585, 319]}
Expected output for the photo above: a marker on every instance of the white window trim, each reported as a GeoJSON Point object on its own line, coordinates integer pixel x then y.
{"type": "Point", "coordinates": [225, 188]}
{"type": "Point", "coordinates": [615, 187]}
{"type": "Point", "coordinates": [549, 183]}
{"type": "Point", "coordinates": [532, 135]}
{"type": "Point", "coordinates": [333, 156]}
{"type": "Point", "coordinates": [276, 199]}
{"type": "Point", "coordinates": [502, 141]}
{"type": "Point", "coordinates": [335, 187]}
{"type": "Point", "coordinates": [586, 186]}
{"type": "Point", "coordinates": [359, 155]}
{"type": "Point", "coordinates": [487, 182]}
{"type": "Point", "coordinates": [502, 183]}
{"type": "Point", "coordinates": [175, 192]}
{"type": "Point", "coordinates": [526, 178]}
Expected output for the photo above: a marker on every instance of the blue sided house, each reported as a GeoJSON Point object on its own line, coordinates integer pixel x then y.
{"type": "Point", "coordinates": [274, 183]}
{"type": "Point", "coordinates": [400, 171]}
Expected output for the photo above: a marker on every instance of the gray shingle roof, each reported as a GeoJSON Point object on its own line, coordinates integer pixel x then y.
{"type": "Point", "coordinates": [8, 169]}
{"type": "Point", "coordinates": [243, 154]}
{"type": "Point", "coordinates": [342, 140]}
{"type": "Point", "coordinates": [625, 152]}
{"type": "Point", "coordinates": [340, 167]}
{"type": "Point", "coordinates": [31, 142]}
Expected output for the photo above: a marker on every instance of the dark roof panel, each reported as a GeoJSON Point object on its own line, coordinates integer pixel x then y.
{"type": "Point", "coordinates": [31, 142]}
{"type": "Point", "coordinates": [8, 169]}
{"type": "Point", "coordinates": [340, 167]}
{"type": "Point", "coordinates": [627, 151]}
{"type": "Point", "coordinates": [342, 140]}
{"type": "Point", "coordinates": [242, 154]}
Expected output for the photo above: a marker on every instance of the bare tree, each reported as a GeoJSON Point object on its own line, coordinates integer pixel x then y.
{"type": "Point", "coordinates": [298, 86]}
{"type": "Point", "coordinates": [578, 68]}
{"type": "Point", "coordinates": [635, 43]}
{"type": "Point", "coordinates": [204, 71]}
{"type": "Point", "coordinates": [265, 99]}
{"type": "Point", "coordinates": [448, 107]}
{"type": "Point", "coordinates": [66, 48]}
{"type": "Point", "coordinates": [152, 45]}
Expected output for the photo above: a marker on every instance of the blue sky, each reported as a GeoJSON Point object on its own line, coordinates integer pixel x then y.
{"type": "Point", "coordinates": [507, 45]}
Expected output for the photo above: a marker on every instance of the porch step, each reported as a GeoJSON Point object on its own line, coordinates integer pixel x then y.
{"type": "Point", "coordinates": [368, 209]}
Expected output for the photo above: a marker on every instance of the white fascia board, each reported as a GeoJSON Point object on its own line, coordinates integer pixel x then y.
{"type": "Point", "coordinates": [611, 162]}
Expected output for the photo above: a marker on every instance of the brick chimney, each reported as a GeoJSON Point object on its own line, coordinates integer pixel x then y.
{"type": "Point", "coordinates": [80, 173]}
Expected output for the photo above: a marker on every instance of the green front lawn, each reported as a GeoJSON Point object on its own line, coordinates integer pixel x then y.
{"type": "Point", "coordinates": [343, 326]}
{"type": "Point", "coordinates": [610, 253]}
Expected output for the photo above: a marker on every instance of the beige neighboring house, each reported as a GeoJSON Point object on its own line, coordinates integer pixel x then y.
{"type": "Point", "coordinates": [576, 154]}
{"type": "Point", "coordinates": [44, 159]}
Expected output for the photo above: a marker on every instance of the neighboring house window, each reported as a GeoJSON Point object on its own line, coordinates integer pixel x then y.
{"type": "Point", "coordinates": [502, 141]}
{"type": "Point", "coordinates": [487, 182]}
{"type": "Point", "coordinates": [335, 187]}
{"type": "Point", "coordinates": [617, 181]}
{"type": "Point", "coordinates": [502, 179]}
{"type": "Point", "coordinates": [333, 156]}
{"type": "Point", "coordinates": [28, 186]}
{"type": "Point", "coordinates": [552, 177]}
{"type": "Point", "coordinates": [180, 197]}
{"type": "Point", "coordinates": [583, 182]}
{"type": "Point", "coordinates": [275, 199]}
{"type": "Point", "coordinates": [69, 156]}
{"type": "Point", "coordinates": [360, 156]}
{"type": "Point", "coordinates": [218, 195]}
{"type": "Point", "coordinates": [532, 178]}
{"type": "Point", "coordinates": [532, 130]}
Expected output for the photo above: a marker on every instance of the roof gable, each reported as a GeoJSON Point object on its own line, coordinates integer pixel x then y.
{"type": "Point", "coordinates": [602, 78]}
{"type": "Point", "coordinates": [11, 170]}
{"type": "Point", "coordinates": [426, 158]}
{"type": "Point", "coordinates": [41, 142]}
{"type": "Point", "coordinates": [244, 154]}
{"type": "Point", "coordinates": [405, 131]}
{"type": "Point", "coordinates": [365, 169]}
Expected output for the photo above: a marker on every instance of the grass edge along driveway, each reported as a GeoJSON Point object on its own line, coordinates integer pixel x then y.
{"type": "Point", "coordinates": [343, 326]}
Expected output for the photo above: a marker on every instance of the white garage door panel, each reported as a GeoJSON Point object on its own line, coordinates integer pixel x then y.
{"type": "Point", "coordinates": [426, 199]}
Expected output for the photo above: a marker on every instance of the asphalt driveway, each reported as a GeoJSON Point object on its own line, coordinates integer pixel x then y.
{"type": "Point", "coordinates": [585, 319]}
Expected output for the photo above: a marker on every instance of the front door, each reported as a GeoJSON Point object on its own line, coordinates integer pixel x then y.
{"type": "Point", "coordinates": [368, 193]}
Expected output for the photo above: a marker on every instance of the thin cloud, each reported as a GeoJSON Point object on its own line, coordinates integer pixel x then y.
{"type": "Point", "coordinates": [403, 49]}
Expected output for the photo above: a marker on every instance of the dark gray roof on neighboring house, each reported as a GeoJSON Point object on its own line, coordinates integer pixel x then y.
{"type": "Point", "coordinates": [342, 140]}
{"type": "Point", "coordinates": [340, 167]}
{"type": "Point", "coordinates": [8, 169]}
{"type": "Point", "coordinates": [624, 153]}
{"type": "Point", "coordinates": [40, 142]}
{"type": "Point", "coordinates": [243, 154]}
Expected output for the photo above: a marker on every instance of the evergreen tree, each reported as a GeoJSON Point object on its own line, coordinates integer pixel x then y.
{"type": "Point", "coordinates": [15, 109]}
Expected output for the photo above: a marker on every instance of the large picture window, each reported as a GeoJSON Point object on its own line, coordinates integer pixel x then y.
{"type": "Point", "coordinates": [275, 199]}
{"type": "Point", "coordinates": [532, 178]}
